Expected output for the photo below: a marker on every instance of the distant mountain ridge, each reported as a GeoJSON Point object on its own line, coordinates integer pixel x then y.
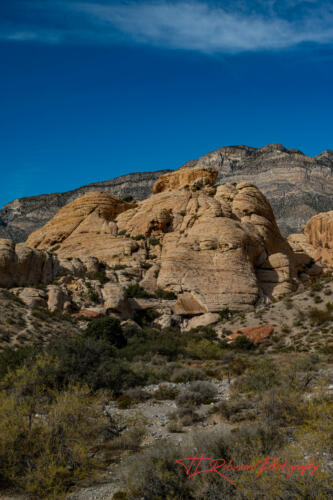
{"type": "Point", "coordinates": [298, 186]}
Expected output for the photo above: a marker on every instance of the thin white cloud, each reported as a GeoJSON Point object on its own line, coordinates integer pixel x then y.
{"type": "Point", "coordinates": [188, 25]}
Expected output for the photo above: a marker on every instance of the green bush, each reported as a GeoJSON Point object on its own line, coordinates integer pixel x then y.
{"type": "Point", "coordinates": [154, 241]}
{"type": "Point", "coordinates": [107, 328]}
{"type": "Point", "coordinates": [165, 295]}
{"type": "Point", "coordinates": [93, 362]}
{"type": "Point", "coordinates": [259, 377]}
{"type": "Point", "coordinates": [321, 316]}
{"type": "Point", "coordinates": [13, 358]}
{"type": "Point", "coordinates": [196, 393]}
{"type": "Point", "coordinates": [136, 291]}
{"type": "Point", "coordinates": [46, 456]}
{"type": "Point", "coordinates": [243, 343]}
{"type": "Point", "coordinates": [225, 314]}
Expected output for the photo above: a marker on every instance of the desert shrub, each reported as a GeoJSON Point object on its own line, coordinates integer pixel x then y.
{"type": "Point", "coordinates": [317, 427]}
{"type": "Point", "coordinates": [243, 343]}
{"type": "Point", "coordinates": [157, 476]}
{"type": "Point", "coordinates": [145, 317]}
{"type": "Point", "coordinates": [137, 394]}
{"type": "Point", "coordinates": [196, 394]}
{"type": "Point", "coordinates": [42, 314]}
{"type": "Point", "coordinates": [261, 376]}
{"type": "Point", "coordinates": [130, 439]}
{"type": "Point", "coordinates": [107, 328]}
{"type": "Point", "coordinates": [235, 410]}
{"type": "Point", "coordinates": [13, 358]}
{"type": "Point", "coordinates": [131, 330]}
{"type": "Point", "coordinates": [165, 392]}
{"type": "Point", "coordinates": [136, 291]}
{"type": "Point", "coordinates": [45, 455]}
{"type": "Point", "coordinates": [151, 341]}
{"type": "Point", "coordinates": [124, 401]}
{"type": "Point", "coordinates": [317, 286]}
{"type": "Point", "coordinates": [237, 365]}
{"type": "Point", "coordinates": [93, 362]}
{"type": "Point", "coordinates": [174, 427]}
{"type": "Point", "coordinates": [165, 295]}
{"type": "Point", "coordinates": [327, 348]}
{"type": "Point", "coordinates": [138, 237]}
{"type": "Point", "coordinates": [185, 374]}
{"type": "Point", "coordinates": [92, 294]}
{"type": "Point", "coordinates": [225, 314]}
{"type": "Point", "coordinates": [281, 407]}
{"type": "Point", "coordinates": [321, 315]}
{"type": "Point", "coordinates": [154, 241]}
{"type": "Point", "coordinates": [122, 232]}
{"type": "Point", "coordinates": [186, 415]}
{"type": "Point", "coordinates": [204, 349]}
{"type": "Point", "coordinates": [120, 495]}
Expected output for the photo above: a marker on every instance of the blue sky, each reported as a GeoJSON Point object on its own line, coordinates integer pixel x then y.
{"type": "Point", "coordinates": [91, 90]}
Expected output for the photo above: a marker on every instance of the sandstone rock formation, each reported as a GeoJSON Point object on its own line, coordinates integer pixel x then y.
{"type": "Point", "coordinates": [21, 217]}
{"type": "Point", "coordinates": [256, 334]}
{"type": "Point", "coordinates": [298, 186]}
{"type": "Point", "coordinates": [212, 249]}
{"type": "Point", "coordinates": [195, 177]}
{"type": "Point", "coordinates": [21, 265]}
{"type": "Point", "coordinates": [316, 243]}
{"type": "Point", "coordinates": [92, 213]}
{"type": "Point", "coordinates": [319, 234]}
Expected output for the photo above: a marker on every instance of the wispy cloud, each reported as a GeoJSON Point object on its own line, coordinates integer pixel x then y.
{"type": "Point", "coordinates": [188, 25]}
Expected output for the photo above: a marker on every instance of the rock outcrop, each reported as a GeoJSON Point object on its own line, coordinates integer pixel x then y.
{"type": "Point", "coordinates": [210, 247]}
{"type": "Point", "coordinates": [319, 234]}
{"type": "Point", "coordinates": [21, 265]}
{"type": "Point", "coordinates": [316, 242]}
{"type": "Point", "coordinates": [256, 334]}
{"type": "Point", "coordinates": [195, 177]}
{"type": "Point", "coordinates": [298, 187]}
{"type": "Point", "coordinates": [21, 217]}
{"type": "Point", "coordinates": [92, 214]}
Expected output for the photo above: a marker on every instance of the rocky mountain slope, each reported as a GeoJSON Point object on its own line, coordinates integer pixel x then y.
{"type": "Point", "coordinates": [297, 186]}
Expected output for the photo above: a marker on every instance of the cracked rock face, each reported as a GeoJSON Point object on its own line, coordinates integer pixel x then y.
{"type": "Point", "coordinates": [213, 248]}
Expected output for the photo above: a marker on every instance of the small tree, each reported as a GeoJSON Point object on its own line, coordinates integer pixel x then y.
{"type": "Point", "coordinates": [107, 329]}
